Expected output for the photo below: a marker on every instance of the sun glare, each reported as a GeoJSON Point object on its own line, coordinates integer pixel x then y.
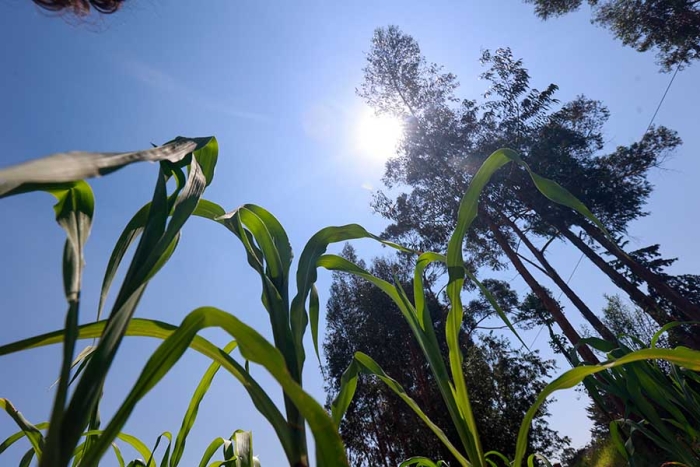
{"type": "Point", "coordinates": [379, 135]}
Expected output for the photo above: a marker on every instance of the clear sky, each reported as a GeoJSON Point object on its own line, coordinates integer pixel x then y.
{"type": "Point", "coordinates": [274, 82]}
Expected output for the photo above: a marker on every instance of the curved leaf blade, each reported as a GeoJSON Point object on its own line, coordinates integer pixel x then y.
{"type": "Point", "coordinates": [329, 447]}
{"type": "Point", "coordinates": [52, 171]}
{"type": "Point", "coordinates": [157, 329]}
{"type": "Point", "coordinates": [680, 356]}
{"type": "Point", "coordinates": [193, 408]}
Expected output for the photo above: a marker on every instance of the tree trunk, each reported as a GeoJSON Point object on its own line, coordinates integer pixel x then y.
{"type": "Point", "coordinates": [690, 310]}
{"type": "Point", "coordinates": [381, 445]}
{"type": "Point", "coordinates": [548, 302]}
{"type": "Point", "coordinates": [587, 313]}
{"type": "Point", "coordinates": [642, 300]}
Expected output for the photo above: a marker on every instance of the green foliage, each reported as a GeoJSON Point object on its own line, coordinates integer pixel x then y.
{"type": "Point", "coordinates": [378, 427]}
{"type": "Point", "coordinates": [422, 462]}
{"type": "Point", "coordinates": [446, 140]}
{"type": "Point", "coordinates": [236, 451]}
{"type": "Point", "coordinates": [452, 383]}
{"type": "Point", "coordinates": [671, 27]}
{"type": "Point", "coordinates": [661, 403]}
{"type": "Point", "coordinates": [629, 323]}
{"type": "Point", "coordinates": [157, 227]}
{"type": "Point", "coordinates": [601, 453]}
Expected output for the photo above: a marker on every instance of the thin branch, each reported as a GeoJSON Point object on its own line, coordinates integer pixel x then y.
{"type": "Point", "coordinates": [554, 237]}
{"type": "Point", "coordinates": [539, 268]}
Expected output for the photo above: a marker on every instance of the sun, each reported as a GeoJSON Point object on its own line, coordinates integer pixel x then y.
{"type": "Point", "coordinates": [378, 135]}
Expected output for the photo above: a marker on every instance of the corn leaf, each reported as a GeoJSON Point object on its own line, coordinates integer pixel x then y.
{"type": "Point", "coordinates": [53, 171]}
{"type": "Point", "coordinates": [30, 431]}
{"type": "Point", "coordinates": [680, 356]}
{"type": "Point", "coordinates": [193, 408]}
{"type": "Point", "coordinates": [329, 447]}
{"type": "Point", "coordinates": [157, 243]}
{"type": "Point", "coordinates": [363, 363]}
{"type": "Point", "coordinates": [160, 330]}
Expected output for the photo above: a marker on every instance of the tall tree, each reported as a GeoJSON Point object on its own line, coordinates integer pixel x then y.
{"type": "Point", "coordinates": [686, 286]}
{"type": "Point", "coordinates": [379, 428]}
{"type": "Point", "coordinates": [671, 27]}
{"type": "Point", "coordinates": [447, 140]}
{"type": "Point", "coordinates": [631, 322]}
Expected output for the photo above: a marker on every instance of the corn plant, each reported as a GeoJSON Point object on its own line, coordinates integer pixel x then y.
{"type": "Point", "coordinates": [449, 377]}
{"type": "Point", "coordinates": [157, 227]}
{"type": "Point", "coordinates": [661, 402]}
{"type": "Point", "coordinates": [236, 450]}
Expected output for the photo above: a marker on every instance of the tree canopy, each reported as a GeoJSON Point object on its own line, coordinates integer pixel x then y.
{"type": "Point", "coordinates": [447, 139]}
{"type": "Point", "coordinates": [670, 27]}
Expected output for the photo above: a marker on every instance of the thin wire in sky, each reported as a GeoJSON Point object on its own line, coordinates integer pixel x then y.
{"type": "Point", "coordinates": [663, 98]}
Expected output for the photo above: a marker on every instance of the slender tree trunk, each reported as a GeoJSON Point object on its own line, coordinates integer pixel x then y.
{"type": "Point", "coordinates": [380, 440]}
{"type": "Point", "coordinates": [587, 313]}
{"type": "Point", "coordinates": [642, 300]}
{"type": "Point", "coordinates": [549, 303]}
{"type": "Point", "coordinates": [552, 307]}
{"type": "Point", "coordinates": [690, 310]}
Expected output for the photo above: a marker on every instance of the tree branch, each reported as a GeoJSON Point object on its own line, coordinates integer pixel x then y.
{"type": "Point", "coordinates": [554, 237]}
{"type": "Point", "coordinates": [539, 268]}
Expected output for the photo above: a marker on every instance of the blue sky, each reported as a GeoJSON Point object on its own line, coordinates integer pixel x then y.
{"type": "Point", "coordinates": [274, 82]}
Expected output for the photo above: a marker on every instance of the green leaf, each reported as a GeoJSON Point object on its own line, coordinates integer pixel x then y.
{"type": "Point", "coordinates": [426, 339]}
{"type": "Point", "coordinates": [468, 211]}
{"type": "Point", "coordinates": [207, 155]}
{"type": "Point", "coordinates": [269, 253]}
{"type": "Point", "coordinates": [169, 437]}
{"type": "Point", "coordinates": [118, 454]}
{"type": "Point", "coordinates": [422, 462]}
{"type": "Point", "coordinates": [669, 326]}
{"type": "Point", "coordinates": [243, 448]}
{"type": "Point", "coordinates": [26, 460]}
{"type": "Point", "coordinates": [157, 243]}
{"type": "Point", "coordinates": [363, 363]}
{"type": "Point", "coordinates": [423, 261]}
{"type": "Point", "coordinates": [157, 329]}
{"type": "Point", "coordinates": [74, 210]}
{"type": "Point", "coordinates": [497, 455]}
{"type": "Point", "coordinates": [680, 356]}
{"type": "Point", "coordinates": [208, 210]}
{"type": "Point", "coordinates": [132, 441]}
{"type": "Point", "coordinates": [193, 408]}
{"type": "Point", "coordinates": [307, 275]}
{"type": "Point", "coordinates": [12, 439]}
{"type": "Point", "coordinates": [53, 171]}
{"type": "Point", "coordinates": [314, 312]}
{"type": "Point", "coordinates": [617, 440]}
{"type": "Point", "coordinates": [492, 300]}
{"type": "Point", "coordinates": [210, 451]}
{"type": "Point", "coordinates": [30, 431]}
{"type": "Point", "coordinates": [329, 447]}
{"type": "Point", "coordinates": [531, 460]}
{"type": "Point", "coordinates": [130, 233]}
{"type": "Point", "coordinates": [598, 344]}
{"type": "Point", "coordinates": [80, 361]}
{"type": "Point", "coordinates": [561, 195]}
